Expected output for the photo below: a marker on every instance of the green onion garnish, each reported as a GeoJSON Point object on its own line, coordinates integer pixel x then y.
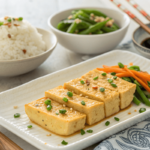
{"type": "Point", "coordinates": [142, 110]}
{"type": "Point", "coordinates": [103, 74]}
{"type": "Point", "coordinates": [136, 68]}
{"type": "Point", "coordinates": [83, 102]}
{"type": "Point", "coordinates": [64, 142]}
{"type": "Point", "coordinates": [65, 99]}
{"type": "Point", "coordinates": [115, 77]}
{"type": "Point", "coordinates": [49, 107]}
{"type": "Point", "coordinates": [48, 102]}
{"type": "Point", "coordinates": [9, 19]}
{"type": "Point", "coordinates": [82, 82]}
{"type": "Point", "coordinates": [70, 94]}
{"type": "Point", "coordinates": [102, 89]}
{"type": "Point", "coordinates": [95, 78]}
{"type": "Point", "coordinates": [17, 115]}
{"type": "Point", "coordinates": [113, 84]}
{"type": "Point", "coordinates": [62, 111]}
{"type": "Point", "coordinates": [89, 131]}
{"type": "Point", "coordinates": [120, 65]}
{"type": "Point", "coordinates": [107, 123]}
{"type": "Point", "coordinates": [113, 73]}
{"type": "Point", "coordinates": [57, 113]}
{"type": "Point", "coordinates": [29, 126]}
{"type": "Point", "coordinates": [109, 80]}
{"type": "Point", "coordinates": [117, 119]}
{"type": "Point", "coordinates": [82, 132]}
{"type": "Point", "coordinates": [1, 23]}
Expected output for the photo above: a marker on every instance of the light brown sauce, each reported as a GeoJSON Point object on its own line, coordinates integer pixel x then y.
{"type": "Point", "coordinates": [86, 126]}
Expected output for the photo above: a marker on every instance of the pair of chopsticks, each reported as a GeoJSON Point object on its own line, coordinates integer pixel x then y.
{"type": "Point", "coordinates": [131, 15]}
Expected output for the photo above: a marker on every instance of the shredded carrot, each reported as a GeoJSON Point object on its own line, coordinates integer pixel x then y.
{"type": "Point", "coordinates": [138, 79]}
{"type": "Point", "coordinates": [117, 70]}
{"type": "Point", "coordinates": [104, 66]}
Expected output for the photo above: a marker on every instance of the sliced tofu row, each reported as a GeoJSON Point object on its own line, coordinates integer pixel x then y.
{"type": "Point", "coordinates": [114, 98]}
{"type": "Point", "coordinates": [94, 110]}
{"type": "Point", "coordinates": [62, 124]}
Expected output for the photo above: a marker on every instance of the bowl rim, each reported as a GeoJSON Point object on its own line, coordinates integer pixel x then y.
{"type": "Point", "coordinates": [95, 35]}
{"type": "Point", "coordinates": [133, 39]}
{"type": "Point", "coordinates": [37, 56]}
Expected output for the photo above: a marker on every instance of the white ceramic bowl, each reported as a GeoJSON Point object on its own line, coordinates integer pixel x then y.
{"type": "Point", "coordinates": [18, 67]}
{"type": "Point", "coordinates": [138, 36]}
{"type": "Point", "coordinates": [90, 44]}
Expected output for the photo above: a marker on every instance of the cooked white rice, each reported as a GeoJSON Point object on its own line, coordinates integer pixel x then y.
{"type": "Point", "coordinates": [19, 40]}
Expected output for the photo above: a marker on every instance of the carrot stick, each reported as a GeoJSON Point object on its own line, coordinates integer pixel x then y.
{"type": "Point", "coordinates": [125, 74]}
{"type": "Point", "coordinates": [139, 80]}
{"type": "Point", "coordinates": [117, 70]}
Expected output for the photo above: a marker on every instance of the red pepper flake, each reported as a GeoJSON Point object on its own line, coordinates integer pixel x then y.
{"type": "Point", "coordinates": [6, 17]}
{"type": "Point", "coordinates": [129, 113]}
{"type": "Point", "coordinates": [9, 25]}
{"type": "Point", "coordinates": [9, 36]}
{"type": "Point", "coordinates": [95, 87]}
{"type": "Point", "coordinates": [24, 51]}
{"type": "Point", "coordinates": [5, 23]}
{"type": "Point", "coordinates": [16, 25]}
{"type": "Point", "coordinates": [87, 82]}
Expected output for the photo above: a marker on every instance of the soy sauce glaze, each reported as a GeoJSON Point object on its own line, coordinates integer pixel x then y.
{"type": "Point", "coordinates": [146, 43]}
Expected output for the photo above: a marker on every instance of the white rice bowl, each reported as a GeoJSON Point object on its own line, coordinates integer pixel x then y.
{"type": "Point", "coordinates": [19, 40]}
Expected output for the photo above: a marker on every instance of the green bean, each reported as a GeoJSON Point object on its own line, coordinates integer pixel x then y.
{"type": "Point", "coordinates": [136, 101]}
{"type": "Point", "coordinates": [93, 28]}
{"type": "Point", "coordinates": [126, 79]}
{"type": "Point", "coordinates": [108, 29]}
{"type": "Point", "coordinates": [74, 11]}
{"type": "Point", "coordinates": [138, 96]}
{"type": "Point", "coordinates": [80, 12]}
{"type": "Point", "coordinates": [95, 12]}
{"type": "Point", "coordinates": [61, 25]}
{"type": "Point", "coordinates": [116, 26]}
{"type": "Point", "coordinates": [72, 28]}
{"type": "Point", "coordinates": [98, 32]}
{"type": "Point", "coordinates": [83, 25]}
{"type": "Point", "coordinates": [86, 19]}
{"type": "Point", "coordinates": [141, 93]}
{"type": "Point", "coordinates": [137, 83]}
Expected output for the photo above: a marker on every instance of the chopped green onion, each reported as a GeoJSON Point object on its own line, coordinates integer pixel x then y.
{"type": "Point", "coordinates": [29, 126]}
{"type": "Point", "coordinates": [48, 102]}
{"type": "Point", "coordinates": [82, 132]}
{"type": "Point", "coordinates": [70, 94]}
{"type": "Point", "coordinates": [9, 19]}
{"type": "Point", "coordinates": [57, 113]}
{"type": "Point", "coordinates": [142, 110]}
{"type": "Point", "coordinates": [113, 73]}
{"type": "Point", "coordinates": [109, 80]}
{"type": "Point", "coordinates": [115, 77]}
{"type": "Point", "coordinates": [13, 19]}
{"type": "Point", "coordinates": [120, 65]}
{"type": "Point", "coordinates": [17, 115]}
{"type": "Point", "coordinates": [89, 131]}
{"type": "Point", "coordinates": [117, 119]}
{"type": "Point", "coordinates": [107, 123]}
{"type": "Point", "coordinates": [103, 74]}
{"type": "Point", "coordinates": [20, 19]}
{"type": "Point", "coordinates": [82, 82]}
{"type": "Point", "coordinates": [1, 23]}
{"type": "Point", "coordinates": [49, 107]}
{"type": "Point", "coordinates": [95, 78]}
{"type": "Point", "coordinates": [102, 89]}
{"type": "Point", "coordinates": [113, 84]}
{"type": "Point", "coordinates": [64, 142]}
{"type": "Point", "coordinates": [65, 99]}
{"type": "Point", "coordinates": [62, 111]}
{"type": "Point", "coordinates": [83, 102]}
{"type": "Point", "coordinates": [148, 83]}
{"type": "Point", "coordinates": [136, 68]}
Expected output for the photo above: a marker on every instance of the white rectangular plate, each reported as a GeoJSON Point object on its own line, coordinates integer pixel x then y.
{"type": "Point", "coordinates": [35, 89]}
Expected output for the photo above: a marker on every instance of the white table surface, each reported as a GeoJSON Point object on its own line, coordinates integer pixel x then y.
{"type": "Point", "coordinates": [37, 12]}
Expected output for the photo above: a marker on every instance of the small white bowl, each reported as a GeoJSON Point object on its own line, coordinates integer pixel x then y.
{"type": "Point", "coordinates": [138, 36]}
{"type": "Point", "coordinates": [90, 44]}
{"type": "Point", "coordinates": [18, 67]}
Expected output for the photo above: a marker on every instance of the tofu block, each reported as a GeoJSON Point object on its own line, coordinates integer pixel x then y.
{"type": "Point", "coordinates": [62, 124]}
{"type": "Point", "coordinates": [91, 89]}
{"type": "Point", "coordinates": [125, 89]}
{"type": "Point", "coordinates": [93, 109]}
